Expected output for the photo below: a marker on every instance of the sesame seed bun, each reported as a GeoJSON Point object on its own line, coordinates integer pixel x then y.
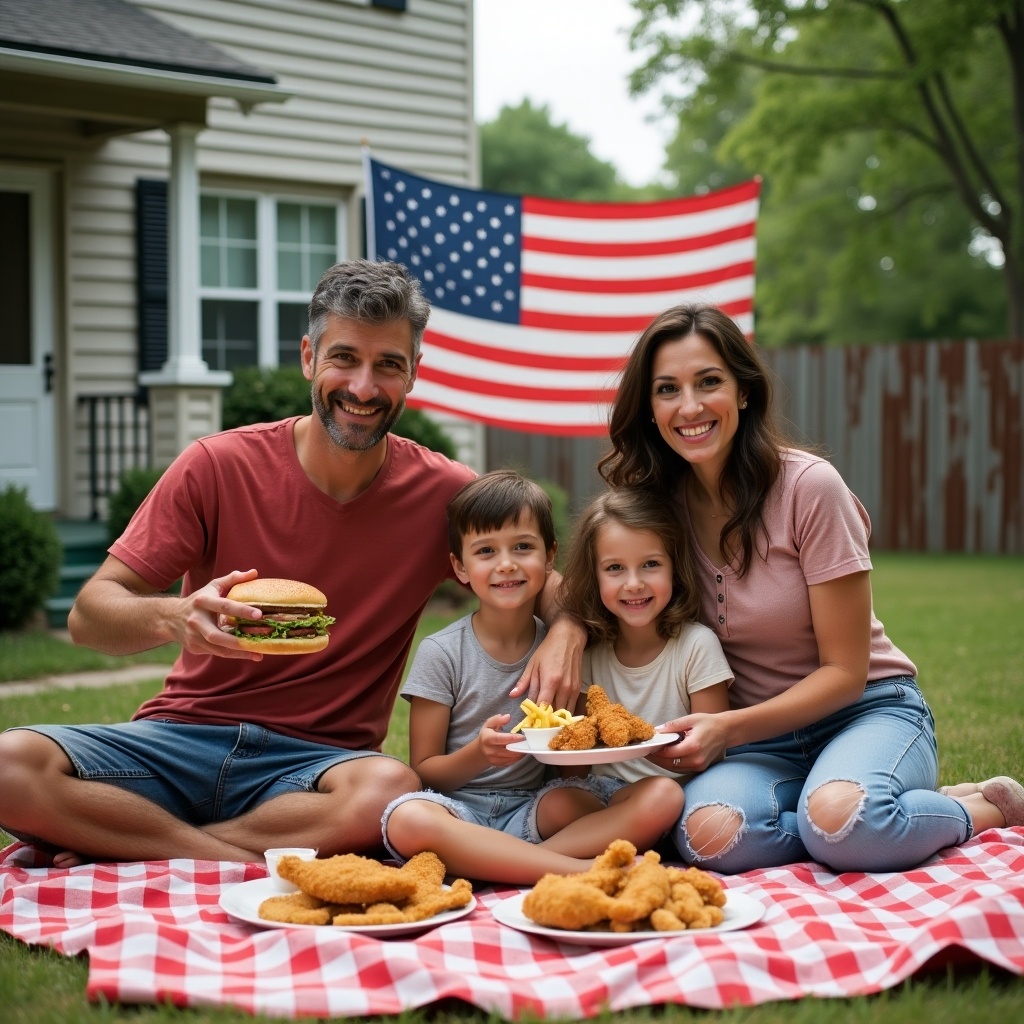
{"type": "Point", "coordinates": [277, 592]}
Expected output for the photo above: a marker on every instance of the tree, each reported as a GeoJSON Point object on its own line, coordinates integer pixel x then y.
{"type": "Point", "coordinates": [523, 152]}
{"type": "Point", "coordinates": [925, 98]}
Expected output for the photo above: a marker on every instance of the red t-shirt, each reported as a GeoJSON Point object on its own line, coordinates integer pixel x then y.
{"type": "Point", "coordinates": [240, 500]}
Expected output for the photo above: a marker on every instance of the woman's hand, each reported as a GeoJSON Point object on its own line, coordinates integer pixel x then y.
{"type": "Point", "coordinates": [552, 675]}
{"type": "Point", "coordinates": [703, 740]}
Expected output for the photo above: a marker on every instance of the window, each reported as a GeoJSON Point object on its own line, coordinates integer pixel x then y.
{"type": "Point", "coordinates": [260, 259]}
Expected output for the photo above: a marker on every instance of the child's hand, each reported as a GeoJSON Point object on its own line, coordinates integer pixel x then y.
{"type": "Point", "coordinates": [494, 743]}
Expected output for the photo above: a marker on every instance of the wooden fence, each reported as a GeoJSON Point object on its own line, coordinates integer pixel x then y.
{"type": "Point", "coordinates": [928, 435]}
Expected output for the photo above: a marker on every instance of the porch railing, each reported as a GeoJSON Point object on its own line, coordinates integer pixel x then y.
{"type": "Point", "coordinates": [117, 430]}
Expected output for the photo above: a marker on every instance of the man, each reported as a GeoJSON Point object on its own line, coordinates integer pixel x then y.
{"type": "Point", "coordinates": [239, 752]}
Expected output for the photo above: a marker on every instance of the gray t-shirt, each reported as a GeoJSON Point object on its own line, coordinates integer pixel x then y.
{"type": "Point", "coordinates": [451, 667]}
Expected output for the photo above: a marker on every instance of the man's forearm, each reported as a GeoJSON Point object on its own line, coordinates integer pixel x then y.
{"type": "Point", "coordinates": [108, 617]}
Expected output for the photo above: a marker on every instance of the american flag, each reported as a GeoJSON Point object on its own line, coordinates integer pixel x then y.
{"type": "Point", "coordinates": [537, 302]}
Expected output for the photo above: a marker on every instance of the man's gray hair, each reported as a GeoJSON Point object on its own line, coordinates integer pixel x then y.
{"type": "Point", "coordinates": [372, 293]}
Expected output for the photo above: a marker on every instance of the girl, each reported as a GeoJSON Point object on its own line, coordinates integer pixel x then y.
{"type": "Point", "coordinates": [630, 580]}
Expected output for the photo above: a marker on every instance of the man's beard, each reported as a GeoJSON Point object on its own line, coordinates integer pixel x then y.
{"type": "Point", "coordinates": [350, 436]}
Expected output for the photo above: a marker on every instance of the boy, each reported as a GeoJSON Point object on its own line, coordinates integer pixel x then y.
{"type": "Point", "coordinates": [487, 812]}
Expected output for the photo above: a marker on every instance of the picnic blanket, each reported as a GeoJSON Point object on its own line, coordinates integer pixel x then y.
{"type": "Point", "coordinates": [154, 932]}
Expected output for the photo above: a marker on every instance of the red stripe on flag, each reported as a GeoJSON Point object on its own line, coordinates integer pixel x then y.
{"type": "Point", "coordinates": [638, 211]}
{"type": "Point", "coordinates": [660, 247]}
{"type": "Point", "coordinates": [650, 284]}
{"type": "Point", "coordinates": [555, 430]}
{"type": "Point", "coordinates": [514, 358]}
{"type": "Point", "coordinates": [522, 392]}
{"type": "Point", "coordinates": [568, 322]}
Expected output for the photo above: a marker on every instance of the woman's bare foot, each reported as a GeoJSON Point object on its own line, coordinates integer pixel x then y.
{"type": "Point", "coordinates": [994, 803]}
{"type": "Point", "coordinates": [960, 789]}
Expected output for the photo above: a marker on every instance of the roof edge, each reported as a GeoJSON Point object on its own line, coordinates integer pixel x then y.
{"type": "Point", "coordinates": [246, 91]}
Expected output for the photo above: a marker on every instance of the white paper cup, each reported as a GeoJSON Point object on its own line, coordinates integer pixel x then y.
{"type": "Point", "coordinates": [538, 739]}
{"type": "Point", "coordinates": [273, 856]}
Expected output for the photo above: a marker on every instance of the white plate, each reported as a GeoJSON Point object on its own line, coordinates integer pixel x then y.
{"type": "Point", "coordinates": [741, 911]}
{"type": "Point", "coordinates": [597, 755]}
{"type": "Point", "coordinates": [242, 902]}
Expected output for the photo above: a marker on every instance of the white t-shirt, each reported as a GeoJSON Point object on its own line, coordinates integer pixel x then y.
{"type": "Point", "coordinates": [660, 690]}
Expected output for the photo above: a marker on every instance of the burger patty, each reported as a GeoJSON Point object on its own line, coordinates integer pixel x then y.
{"type": "Point", "coordinates": [255, 629]}
{"type": "Point", "coordinates": [285, 612]}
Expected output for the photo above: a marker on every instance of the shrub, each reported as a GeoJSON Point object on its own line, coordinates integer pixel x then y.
{"type": "Point", "coordinates": [415, 425]}
{"type": "Point", "coordinates": [29, 560]}
{"type": "Point", "coordinates": [560, 515]}
{"type": "Point", "coordinates": [262, 394]}
{"type": "Point", "coordinates": [133, 486]}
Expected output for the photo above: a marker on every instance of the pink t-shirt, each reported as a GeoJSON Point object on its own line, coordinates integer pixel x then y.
{"type": "Point", "coordinates": [817, 531]}
{"type": "Point", "coordinates": [240, 500]}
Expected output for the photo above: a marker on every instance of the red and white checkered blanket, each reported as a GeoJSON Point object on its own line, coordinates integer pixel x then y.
{"type": "Point", "coordinates": [154, 932]}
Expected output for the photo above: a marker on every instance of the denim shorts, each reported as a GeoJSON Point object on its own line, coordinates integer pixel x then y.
{"type": "Point", "coordinates": [513, 811]}
{"type": "Point", "coordinates": [199, 773]}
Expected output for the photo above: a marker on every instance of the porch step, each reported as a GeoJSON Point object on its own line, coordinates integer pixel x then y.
{"type": "Point", "coordinates": [85, 548]}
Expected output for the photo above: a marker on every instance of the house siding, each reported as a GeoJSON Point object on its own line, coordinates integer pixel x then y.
{"type": "Point", "coordinates": [402, 81]}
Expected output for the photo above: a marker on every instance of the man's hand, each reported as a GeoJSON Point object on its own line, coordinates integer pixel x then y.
{"type": "Point", "coordinates": [552, 675]}
{"type": "Point", "coordinates": [198, 626]}
{"type": "Point", "coordinates": [117, 611]}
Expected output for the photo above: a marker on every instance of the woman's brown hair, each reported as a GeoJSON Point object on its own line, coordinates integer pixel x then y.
{"type": "Point", "coordinates": [640, 457]}
{"type": "Point", "coordinates": [635, 509]}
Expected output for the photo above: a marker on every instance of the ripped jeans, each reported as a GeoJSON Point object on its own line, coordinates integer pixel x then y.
{"type": "Point", "coordinates": [884, 743]}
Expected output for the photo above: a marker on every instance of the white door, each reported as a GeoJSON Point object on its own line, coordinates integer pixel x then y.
{"type": "Point", "coordinates": [27, 378]}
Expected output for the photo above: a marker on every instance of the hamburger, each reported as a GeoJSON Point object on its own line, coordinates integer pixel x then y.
{"type": "Point", "coordinates": [292, 619]}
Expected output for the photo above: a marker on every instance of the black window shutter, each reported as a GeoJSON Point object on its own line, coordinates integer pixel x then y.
{"type": "Point", "coordinates": [151, 271]}
{"type": "Point", "coordinates": [391, 5]}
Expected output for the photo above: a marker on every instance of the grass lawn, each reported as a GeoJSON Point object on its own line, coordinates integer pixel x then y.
{"type": "Point", "coordinates": [33, 654]}
{"type": "Point", "coordinates": [959, 618]}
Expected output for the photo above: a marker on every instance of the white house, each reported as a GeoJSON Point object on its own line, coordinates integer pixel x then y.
{"type": "Point", "coordinates": [174, 176]}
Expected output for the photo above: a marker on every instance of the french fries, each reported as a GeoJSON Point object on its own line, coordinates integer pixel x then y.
{"type": "Point", "coordinates": [541, 716]}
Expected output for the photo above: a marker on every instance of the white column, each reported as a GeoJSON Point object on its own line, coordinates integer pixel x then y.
{"type": "Point", "coordinates": [185, 364]}
{"type": "Point", "coordinates": [184, 394]}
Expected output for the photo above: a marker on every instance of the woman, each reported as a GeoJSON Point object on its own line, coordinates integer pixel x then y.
{"type": "Point", "coordinates": [831, 746]}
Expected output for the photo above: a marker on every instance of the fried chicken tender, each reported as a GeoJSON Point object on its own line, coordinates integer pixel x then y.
{"type": "Point", "coordinates": [414, 910]}
{"type": "Point", "coordinates": [605, 721]}
{"type": "Point", "coordinates": [709, 887]}
{"type": "Point", "coordinates": [622, 894]}
{"type": "Point", "coordinates": [610, 868]}
{"type": "Point", "coordinates": [295, 908]}
{"type": "Point", "coordinates": [348, 878]}
{"type": "Point", "coordinates": [646, 887]}
{"type": "Point", "coordinates": [373, 893]}
{"type": "Point", "coordinates": [565, 901]}
{"type": "Point", "coordinates": [581, 735]}
{"type": "Point", "coordinates": [616, 726]}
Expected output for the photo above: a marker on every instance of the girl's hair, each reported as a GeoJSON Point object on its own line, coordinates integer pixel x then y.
{"type": "Point", "coordinates": [635, 509]}
{"type": "Point", "coordinates": [640, 457]}
{"type": "Point", "coordinates": [491, 501]}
